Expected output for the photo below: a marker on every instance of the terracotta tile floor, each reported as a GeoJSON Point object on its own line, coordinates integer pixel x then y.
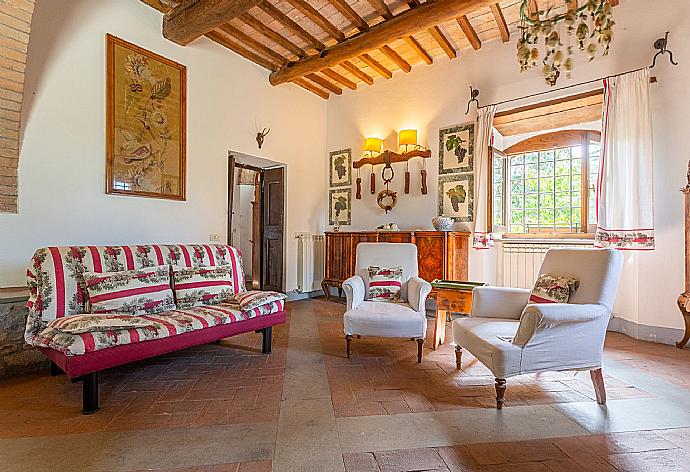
{"type": "Point", "coordinates": [233, 386]}
{"type": "Point", "coordinates": [648, 451]}
{"type": "Point", "coordinates": [383, 377]}
{"type": "Point", "coordinates": [230, 383]}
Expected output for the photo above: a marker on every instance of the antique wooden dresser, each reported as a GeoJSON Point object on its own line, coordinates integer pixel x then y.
{"type": "Point", "coordinates": [442, 255]}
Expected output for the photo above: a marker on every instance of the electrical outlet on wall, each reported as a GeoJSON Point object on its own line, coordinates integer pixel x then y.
{"type": "Point", "coordinates": [214, 238]}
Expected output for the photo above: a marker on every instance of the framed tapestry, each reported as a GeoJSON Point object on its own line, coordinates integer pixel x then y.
{"type": "Point", "coordinates": [456, 149]}
{"type": "Point", "coordinates": [146, 121]}
{"type": "Point", "coordinates": [340, 168]}
{"type": "Point", "coordinates": [340, 207]}
{"type": "Point", "coordinates": [456, 197]}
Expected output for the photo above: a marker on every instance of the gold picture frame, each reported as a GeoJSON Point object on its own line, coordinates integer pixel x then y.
{"type": "Point", "coordinates": [145, 122]}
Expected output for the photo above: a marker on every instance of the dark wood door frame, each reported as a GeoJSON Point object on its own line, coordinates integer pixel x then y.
{"type": "Point", "coordinates": [259, 246]}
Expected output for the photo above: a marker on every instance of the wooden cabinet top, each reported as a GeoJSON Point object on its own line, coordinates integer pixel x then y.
{"type": "Point", "coordinates": [420, 231]}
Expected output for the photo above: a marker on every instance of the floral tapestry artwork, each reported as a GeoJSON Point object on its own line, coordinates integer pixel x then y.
{"type": "Point", "coordinates": [146, 122]}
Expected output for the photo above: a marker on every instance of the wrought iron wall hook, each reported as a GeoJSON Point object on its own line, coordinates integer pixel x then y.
{"type": "Point", "coordinates": [473, 98]}
{"type": "Point", "coordinates": [662, 45]}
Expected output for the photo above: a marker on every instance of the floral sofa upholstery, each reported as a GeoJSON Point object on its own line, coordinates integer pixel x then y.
{"type": "Point", "coordinates": [81, 343]}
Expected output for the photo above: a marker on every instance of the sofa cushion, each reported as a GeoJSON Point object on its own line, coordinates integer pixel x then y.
{"type": "Point", "coordinates": [93, 332]}
{"type": "Point", "coordinates": [253, 299]}
{"type": "Point", "coordinates": [202, 285]}
{"type": "Point", "coordinates": [137, 292]}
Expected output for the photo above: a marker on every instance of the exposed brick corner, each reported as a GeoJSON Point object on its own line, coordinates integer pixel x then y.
{"type": "Point", "coordinates": [15, 28]}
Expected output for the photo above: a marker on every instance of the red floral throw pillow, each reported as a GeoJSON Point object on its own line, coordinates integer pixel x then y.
{"type": "Point", "coordinates": [256, 298]}
{"type": "Point", "coordinates": [196, 286]}
{"type": "Point", "coordinates": [553, 289]}
{"type": "Point", "coordinates": [135, 292]}
{"type": "Point", "coordinates": [385, 284]}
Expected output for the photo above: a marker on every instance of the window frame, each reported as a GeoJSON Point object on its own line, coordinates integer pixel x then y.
{"type": "Point", "coordinates": [539, 143]}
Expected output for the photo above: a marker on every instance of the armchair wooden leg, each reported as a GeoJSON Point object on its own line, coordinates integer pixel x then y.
{"type": "Point", "coordinates": [599, 387]}
{"type": "Point", "coordinates": [500, 393]}
{"type": "Point", "coordinates": [420, 343]}
{"type": "Point", "coordinates": [348, 344]}
{"type": "Point", "coordinates": [458, 357]}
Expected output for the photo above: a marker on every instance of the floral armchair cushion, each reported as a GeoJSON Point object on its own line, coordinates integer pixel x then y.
{"type": "Point", "coordinates": [553, 289]}
{"type": "Point", "coordinates": [203, 285]}
{"type": "Point", "coordinates": [54, 276]}
{"type": "Point", "coordinates": [385, 284]}
{"type": "Point", "coordinates": [136, 292]}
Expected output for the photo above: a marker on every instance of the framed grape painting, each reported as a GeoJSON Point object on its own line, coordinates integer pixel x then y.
{"type": "Point", "coordinates": [456, 197]}
{"type": "Point", "coordinates": [456, 149]}
{"type": "Point", "coordinates": [145, 124]}
{"type": "Point", "coordinates": [340, 173]}
{"type": "Point", "coordinates": [340, 207]}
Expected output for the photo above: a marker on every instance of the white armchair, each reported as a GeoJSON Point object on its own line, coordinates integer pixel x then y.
{"type": "Point", "coordinates": [391, 320]}
{"type": "Point", "coordinates": [512, 337]}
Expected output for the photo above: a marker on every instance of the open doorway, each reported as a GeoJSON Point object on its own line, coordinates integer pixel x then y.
{"type": "Point", "coordinates": [257, 218]}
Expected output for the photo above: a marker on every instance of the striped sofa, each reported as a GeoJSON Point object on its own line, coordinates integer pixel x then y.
{"type": "Point", "coordinates": [81, 342]}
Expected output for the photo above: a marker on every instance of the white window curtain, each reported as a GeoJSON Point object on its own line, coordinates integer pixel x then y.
{"type": "Point", "coordinates": [482, 238]}
{"type": "Point", "coordinates": [625, 213]}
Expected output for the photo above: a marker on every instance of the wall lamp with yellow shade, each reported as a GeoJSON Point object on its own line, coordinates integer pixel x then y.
{"type": "Point", "coordinates": [372, 148]}
{"type": "Point", "coordinates": [407, 138]}
{"type": "Point", "coordinates": [373, 145]}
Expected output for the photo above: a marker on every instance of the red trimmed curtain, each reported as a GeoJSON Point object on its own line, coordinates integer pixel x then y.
{"type": "Point", "coordinates": [625, 211]}
{"type": "Point", "coordinates": [482, 238]}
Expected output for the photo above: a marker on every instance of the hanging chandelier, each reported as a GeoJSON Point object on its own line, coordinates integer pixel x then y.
{"type": "Point", "coordinates": [588, 28]}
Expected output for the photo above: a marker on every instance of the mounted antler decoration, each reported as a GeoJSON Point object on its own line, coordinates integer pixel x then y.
{"type": "Point", "coordinates": [662, 45]}
{"type": "Point", "coordinates": [261, 135]}
{"type": "Point", "coordinates": [474, 93]}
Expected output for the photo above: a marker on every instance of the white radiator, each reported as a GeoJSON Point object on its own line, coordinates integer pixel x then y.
{"type": "Point", "coordinates": [519, 261]}
{"type": "Point", "coordinates": [310, 261]}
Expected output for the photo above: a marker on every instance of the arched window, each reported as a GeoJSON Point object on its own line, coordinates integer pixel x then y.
{"type": "Point", "coordinates": [546, 185]}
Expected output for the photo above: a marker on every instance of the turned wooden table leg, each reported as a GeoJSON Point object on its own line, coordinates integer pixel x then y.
{"type": "Point", "coordinates": [458, 357]}
{"type": "Point", "coordinates": [599, 387]}
{"type": "Point", "coordinates": [326, 291]}
{"type": "Point", "coordinates": [439, 328]}
{"type": "Point", "coordinates": [500, 393]}
{"type": "Point", "coordinates": [348, 344]}
{"type": "Point", "coordinates": [682, 303]}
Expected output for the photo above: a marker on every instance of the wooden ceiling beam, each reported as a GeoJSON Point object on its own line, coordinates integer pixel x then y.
{"type": "Point", "coordinates": [395, 57]}
{"type": "Point", "coordinates": [572, 5]}
{"type": "Point", "coordinates": [533, 9]}
{"type": "Point", "coordinates": [442, 41]}
{"type": "Point", "coordinates": [374, 64]}
{"type": "Point", "coordinates": [311, 87]}
{"type": "Point", "coordinates": [158, 5]}
{"type": "Point", "coordinates": [192, 19]}
{"type": "Point", "coordinates": [614, 3]}
{"type": "Point", "coordinates": [407, 23]}
{"type": "Point", "coordinates": [354, 70]}
{"type": "Point", "coordinates": [469, 32]}
{"type": "Point", "coordinates": [281, 17]}
{"type": "Point", "coordinates": [253, 43]}
{"type": "Point", "coordinates": [324, 83]}
{"type": "Point", "coordinates": [500, 22]}
{"type": "Point", "coordinates": [239, 49]}
{"type": "Point", "coordinates": [352, 16]}
{"type": "Point", "coordinates": [381, 8]}
{"type": "Point", "coordinates": [330, 73]}
{"type": "Point", "coordinates": [316, 17]}
{"type": "Point", "coordinates": [421, 52]}
{"type": "Point", "coordinates": [272, 35]}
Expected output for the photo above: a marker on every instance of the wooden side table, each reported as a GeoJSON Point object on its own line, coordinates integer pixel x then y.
{"type": "Point", "coordinates": [451, 297]}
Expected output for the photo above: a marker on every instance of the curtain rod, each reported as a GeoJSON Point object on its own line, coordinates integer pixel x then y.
{"type": "Point", "coordinates": [652, 80]}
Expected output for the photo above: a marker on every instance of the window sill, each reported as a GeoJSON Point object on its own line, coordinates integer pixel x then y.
{"type": "Point", "coordinates": [584, 238]}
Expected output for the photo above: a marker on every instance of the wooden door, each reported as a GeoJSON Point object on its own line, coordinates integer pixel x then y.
{"type": "Point", "coordinates": [273, 220]}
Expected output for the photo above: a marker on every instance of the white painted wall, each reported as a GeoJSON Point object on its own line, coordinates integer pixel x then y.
{"type": "Point", "coordinates": [434, 97]}
{"type": "Point", "coordinates": [62, 170]}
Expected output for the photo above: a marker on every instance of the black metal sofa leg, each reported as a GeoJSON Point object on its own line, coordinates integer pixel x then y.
{"type": "Point", "coordinates": [90, 393]}
{"type": "Point", "coordinates": [267, 334]}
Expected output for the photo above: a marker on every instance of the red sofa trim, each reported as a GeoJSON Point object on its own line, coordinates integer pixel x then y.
{"type": "Point", "coordinates": [76, 366]}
